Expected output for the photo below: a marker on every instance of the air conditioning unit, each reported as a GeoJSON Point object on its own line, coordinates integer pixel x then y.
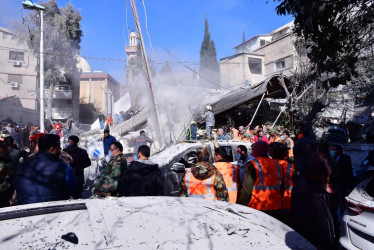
{"type": "Point", "coordinates": [17, 64]}
{"type": "Point", "coordinates": [14, 85]}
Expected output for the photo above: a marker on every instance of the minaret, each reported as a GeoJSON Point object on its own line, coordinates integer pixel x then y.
{"type": "Point", "coordinates": [132, 48]}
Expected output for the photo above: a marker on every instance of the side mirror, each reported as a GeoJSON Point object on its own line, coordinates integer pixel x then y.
{"type": "Point", "coordinates": [178, 168]}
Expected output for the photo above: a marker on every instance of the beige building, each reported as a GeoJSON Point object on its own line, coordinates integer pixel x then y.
{"type": "Point", "coordinates": [18, 76]}
{"type": "Point", "coordinates": [259, 58]}
{"type": "Point", "coordinates": [100, 90]}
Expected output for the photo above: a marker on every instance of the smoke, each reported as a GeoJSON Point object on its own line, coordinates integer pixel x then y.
{"type": "Point", "coordinates": [179, 96]}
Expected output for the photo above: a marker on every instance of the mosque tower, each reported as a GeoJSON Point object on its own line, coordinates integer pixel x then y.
{"type": "Point", "coordinates": [132, 48]}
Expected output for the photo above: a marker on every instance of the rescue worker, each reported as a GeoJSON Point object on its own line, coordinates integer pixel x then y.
{"type": "Point", "coordinates": [107, 182]}
{"type": "Point", "coordinates": [203, 180]}
{"type": "Point", "coordinates": [139, 141]}
{"type": "Point", "coordinates": [234, 132]}
{"type": "Point", "coordinates": [229, 172]}
{"type": "Point", "coordinates": [192, 131]}
{"type": "Point", "coordinates": [209, 121]}
{"type": "Point", "coordinates": [262, 182]}
{"type": "Point", "coordinates": [279, 152]}
{"type": "Point", "coordinates": [288, 142]}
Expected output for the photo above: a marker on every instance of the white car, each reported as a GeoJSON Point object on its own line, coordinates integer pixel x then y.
{"type": "Point", "coordinates": [143, 223]}
{"type": "Point", "coordinates": [357, 229]}
{"type": "Point", "coordinates": [174, 160]}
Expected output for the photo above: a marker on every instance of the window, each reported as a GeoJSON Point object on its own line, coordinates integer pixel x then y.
{"type": "Point", "coordinates": [255, 66]}
{"type": "Point", "coordinates": [13, 38]}
{"type": "Point", "coordinates": [98, 79]}
{"type": "Point", "coordinates": [263, 42]}
{"type": "Point", "coordinates": [15, 78]}
{"type": "Point", "coordinates": [5, 35]}
{"type": "Point", "coordinates": [85, 79]}
{"type": "Point", "coordinates": [280, 65]}
{"type": "Point", "coordinates": [16, 55]}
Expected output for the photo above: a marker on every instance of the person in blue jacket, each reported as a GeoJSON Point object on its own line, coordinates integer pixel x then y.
{"type": "Point", "coordinates": [44, 177]}
{"type": "Point", "coordinates": [107, 141]}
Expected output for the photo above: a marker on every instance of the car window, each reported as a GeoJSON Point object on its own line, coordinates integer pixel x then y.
{"type": "Point", "coordinates": [229, 153]}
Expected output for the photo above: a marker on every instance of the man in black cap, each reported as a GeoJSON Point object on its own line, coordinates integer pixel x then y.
{"type": "Point", "coordinates": [80, 162]}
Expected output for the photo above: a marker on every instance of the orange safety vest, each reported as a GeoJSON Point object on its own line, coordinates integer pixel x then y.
{"type": "Point", "coordinates": [235, 132]}
{"type": "Point", "coordinates": [266, 194]}
{"type": "Point", "coordinates": [196, 188]}
{"type": "Point", "coordinates": [287, 182]}
{"type": "Point", "coordinates": [230, 175]}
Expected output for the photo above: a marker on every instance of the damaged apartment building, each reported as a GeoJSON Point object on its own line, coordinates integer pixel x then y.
{"type": "Point", "coordinates": [253, 74]}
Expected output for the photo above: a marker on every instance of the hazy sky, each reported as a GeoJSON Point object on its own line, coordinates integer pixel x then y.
{"type": "Point", "coordinates": [172, 24]}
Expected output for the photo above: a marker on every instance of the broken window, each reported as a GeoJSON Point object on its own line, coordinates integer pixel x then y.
{"type": "Point", "coordinates": [281, 64]}
{"type": "Point", "coordinates": [16, 55]}
{"type": "Point", "coordinates": [255, 66]}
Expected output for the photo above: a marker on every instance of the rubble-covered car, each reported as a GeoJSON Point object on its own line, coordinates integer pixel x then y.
{"type": "Point", "coordinates": [357, 229]}
{"type": "Point", "coordinates": [143, 223]}
{"type": "Point", "coordinates": [335, 134]}
{"type": "Point", "coordinates": [174, 160]}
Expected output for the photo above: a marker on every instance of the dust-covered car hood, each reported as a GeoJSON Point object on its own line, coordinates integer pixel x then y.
{"type": "Point", "coordinates": [145, 223]}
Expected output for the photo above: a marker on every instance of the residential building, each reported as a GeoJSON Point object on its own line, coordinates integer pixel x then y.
{"type": "Point", "coordinates": [98, 93]}
{"type": "Point", "coordinates": [18, 76]}
{"type": "Point", "coordinates": [259, 58]}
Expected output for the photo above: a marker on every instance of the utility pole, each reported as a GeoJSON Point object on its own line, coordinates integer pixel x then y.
{"type": "Point", "coordinates": [147, 72]}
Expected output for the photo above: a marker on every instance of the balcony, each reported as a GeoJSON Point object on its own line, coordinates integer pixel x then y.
{"type": "Point", "coordinates": [61, 113]}
{"type": "Point", "coordinates": [60, 92]}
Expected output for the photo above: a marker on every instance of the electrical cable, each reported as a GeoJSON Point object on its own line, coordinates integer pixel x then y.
{"type": "Point", "coordinates": [146, 28]}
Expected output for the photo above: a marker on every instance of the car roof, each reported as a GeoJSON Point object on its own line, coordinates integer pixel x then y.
{"type": "Point", "coordinates": [144, 222]}
{"type": "Point", "coordinates": [168, 154]}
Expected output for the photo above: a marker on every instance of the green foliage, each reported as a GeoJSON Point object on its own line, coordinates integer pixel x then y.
{"type": "Point", "coordinates": [337, 33]}
{"type": "Point", "coordinates": [208, 57]}
{"type": "Point", "coordinates": [62, 36]}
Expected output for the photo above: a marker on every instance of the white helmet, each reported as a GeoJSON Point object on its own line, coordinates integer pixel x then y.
{"type": "Point", "coordinates": [209, 108]}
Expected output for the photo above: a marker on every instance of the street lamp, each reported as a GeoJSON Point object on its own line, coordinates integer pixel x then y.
{"type": "Point", "coordinates": [33, 6]}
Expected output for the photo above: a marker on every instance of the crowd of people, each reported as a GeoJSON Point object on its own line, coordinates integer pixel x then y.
{"type": "Point", "coordinates": [301, 183]}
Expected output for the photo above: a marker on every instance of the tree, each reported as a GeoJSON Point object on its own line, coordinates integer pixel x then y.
{"type": "Point", "coordinates": [337, 37]}
{"type": "Point", "coordinates": [62, 37]}
{"type": "Point", "coordinates": [208, 58]}
{"type": "Point", "coordinates": [337, 33]}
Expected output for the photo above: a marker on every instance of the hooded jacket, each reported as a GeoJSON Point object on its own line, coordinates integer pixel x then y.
{"type": "Point", "coordinates": [141, 178]}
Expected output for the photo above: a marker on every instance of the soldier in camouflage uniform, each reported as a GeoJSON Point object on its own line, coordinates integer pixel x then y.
{"type": "Point", "coordinates": [6, 191]}
{"type": "Point", "coordinates": [204, 170]}
{"type": "Point", "coordinates": [107, 182]}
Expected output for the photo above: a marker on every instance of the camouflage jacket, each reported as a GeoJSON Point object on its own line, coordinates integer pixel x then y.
{"type": "Point", "coordinates": [107, 182]}
{"type": "Point", "coordinates": [202, 171]}
{"type": "Point", "coordinates": [4, 175]}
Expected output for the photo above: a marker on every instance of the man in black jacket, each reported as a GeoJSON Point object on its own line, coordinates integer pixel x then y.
{"type": "Point", "coordinates": [141, 177]}
{"type": "Point", "coordinates": [80, 162]}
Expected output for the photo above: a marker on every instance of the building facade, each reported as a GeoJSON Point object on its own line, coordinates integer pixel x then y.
{"type": "Point", "coordinates": [99, 91]}
{"type": "Point", "coordinates": [260, 57]}
{"type": "Point", "coordinates": [18, 75]}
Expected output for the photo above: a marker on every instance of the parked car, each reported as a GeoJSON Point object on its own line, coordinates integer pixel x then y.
{"type": "Point", "coordinates": [143, 223]}
{"type": "Point", "coordinates": [335, 134]}
{"type": "Point", "coordinates": [357, 229]}
{"type": "Point", "coordinates": [174, 160]}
